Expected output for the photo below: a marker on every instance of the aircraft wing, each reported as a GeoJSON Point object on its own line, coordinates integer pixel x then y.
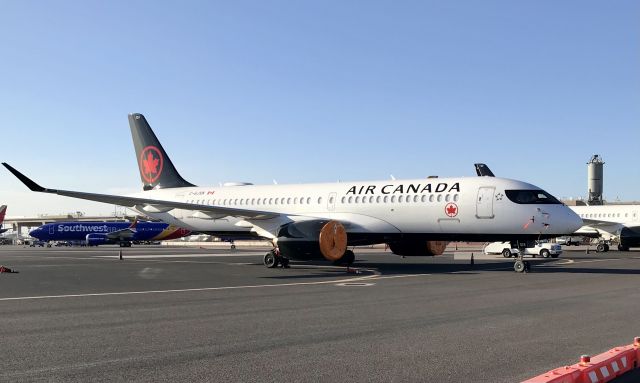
{"type": "Point", "coordinates": [138, 201]}
{"type": "Point", "coordinates": [124, 234]}
{"type": "Point", "coordinates": [598, 223]}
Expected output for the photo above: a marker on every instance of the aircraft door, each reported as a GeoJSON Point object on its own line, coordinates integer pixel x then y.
{"type": "Point", "coordinates": [484, 202]}
{"type": "Point", "coordinates": [52, 229]}
{"type": "Point", "coordinates": [331, 202]}
{"type": "Point", "coordinates": [634, 216]}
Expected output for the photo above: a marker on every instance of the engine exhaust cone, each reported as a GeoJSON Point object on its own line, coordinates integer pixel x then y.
{"type": "Point", "coordinates": [333, 240]}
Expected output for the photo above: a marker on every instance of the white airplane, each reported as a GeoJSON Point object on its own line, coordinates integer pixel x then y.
{"type": "Point", "coordinates": [3, 211]}
{"type": "Point", "coordinates": [307, 221]}
{"type": "Point", "coordinates": [611, 222]}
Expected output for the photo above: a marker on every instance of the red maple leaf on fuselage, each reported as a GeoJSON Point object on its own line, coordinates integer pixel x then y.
{"type": "Point", "coordinates": [150, 164]}
{"type": "Point", "coordinates": [451, 210]}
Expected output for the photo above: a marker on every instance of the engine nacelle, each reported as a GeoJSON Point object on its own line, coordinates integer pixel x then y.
{"type": "Point", "coordinates": [95, 239]}
{"type": "Point", "coordinates": [315, 239]}
{"type": "Point", "coordinates": [629, 237]}
{"type": "Point", "coordinates": [413, 248]}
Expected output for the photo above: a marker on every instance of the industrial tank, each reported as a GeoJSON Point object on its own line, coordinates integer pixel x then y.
{"type": "Point", "coordinates": [595, 180]}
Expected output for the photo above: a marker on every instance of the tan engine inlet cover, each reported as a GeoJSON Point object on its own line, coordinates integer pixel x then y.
{"type": "Point", "coordinates": [333, 240]}
{"type": "Point", "coordinates": [436, 247]}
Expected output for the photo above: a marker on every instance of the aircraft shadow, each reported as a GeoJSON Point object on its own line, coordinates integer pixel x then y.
{"type": "Point", "coordinates": [435, 268]}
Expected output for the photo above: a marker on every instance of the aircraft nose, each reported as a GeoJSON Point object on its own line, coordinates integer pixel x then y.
{"type": "Point", "coordinates": [35, 233]}
{"type": "Point", "coordinates": [573, 221]}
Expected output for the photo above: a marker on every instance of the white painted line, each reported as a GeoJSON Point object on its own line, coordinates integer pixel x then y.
{"type": "Point", "coordinates": [198, 255]}
{"type": "Point", "coordinates": [354, 284]}
{"type": "Point", "coordinates": [597, 260]}
{"type": "Point", "coordinates": [565, 262]}
{"type": "Point", "coordinates": [188, 290]}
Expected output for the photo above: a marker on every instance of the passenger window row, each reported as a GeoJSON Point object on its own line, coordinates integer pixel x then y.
{"type": "Point", "coordinates": [415, 198]}
{"type": "Point", "coordinates": [255, 201]}
{"type": "Point", "coordinates": [603, 215]}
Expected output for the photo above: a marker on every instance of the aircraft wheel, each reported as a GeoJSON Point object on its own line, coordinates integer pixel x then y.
{"type": "Point", "coordinates": [349, 257]}
{"type": "Point", "coordinates": [506, 253]}
{"type": "Point", "coordinates": [600, 248]}
{"type": "Point", "coordinates": [545, 253]}
{"type": "Point", "coordinates": [233, 247]}
{"type": "Point", "coordinates": [519, 266]}
{"type": "Point", "coordinates": [270, 260]}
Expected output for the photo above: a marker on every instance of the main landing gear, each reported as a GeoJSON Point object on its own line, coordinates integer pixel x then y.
{"type": "Point", "coordinates": [273, 259]}
{"type": "Point", "coordinates": [521, 266]}
{"type": "Point", "coordinates": [602, 247]}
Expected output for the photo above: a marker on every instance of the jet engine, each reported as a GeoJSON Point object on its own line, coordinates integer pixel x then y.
{"type": "Point", "coordinates": [95, 239]}
{"type": "Point", "coordinates": [629, 237]}
{"type": "Point", "coordinates": [412, 248]}
{"type": "Point", "coordinates": [313, 240]}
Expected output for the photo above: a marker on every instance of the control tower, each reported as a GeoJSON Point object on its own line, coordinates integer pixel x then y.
{"type": "Point", "coordinates": [594, 180]}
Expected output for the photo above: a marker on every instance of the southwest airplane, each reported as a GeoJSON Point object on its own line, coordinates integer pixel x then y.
{"type": "Point", "coordinates": [3, 211]}
{"type": "Point", "coordinates": [609, 222]}
{"type": "Point", "coordinates": [101, 233]}
{"type": "Point", "coordinates": [305, 221]}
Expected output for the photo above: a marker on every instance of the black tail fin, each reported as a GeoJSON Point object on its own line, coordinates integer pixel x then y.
{"type": "Point", "coordinates": [156, 169]}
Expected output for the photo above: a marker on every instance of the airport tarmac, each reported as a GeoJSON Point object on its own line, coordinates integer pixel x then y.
{"type": "Point", "coordinates": [174, 314]}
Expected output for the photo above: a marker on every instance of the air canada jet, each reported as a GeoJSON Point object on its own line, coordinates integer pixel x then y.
{"type": "Point", "coordinates": [306, 221]}
{"type": "Point", "coordinates": [102, 233]}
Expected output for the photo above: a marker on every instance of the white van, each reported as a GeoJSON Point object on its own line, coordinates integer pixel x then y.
{"type": "Point", "coordinates": [510, 249]}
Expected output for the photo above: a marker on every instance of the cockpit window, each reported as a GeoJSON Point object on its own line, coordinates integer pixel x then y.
{"type": "Point", "coordinates": [531, 197]}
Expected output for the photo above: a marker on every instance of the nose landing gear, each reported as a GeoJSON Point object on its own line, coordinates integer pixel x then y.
{"type": "Point", "coordinates": [521, 266]}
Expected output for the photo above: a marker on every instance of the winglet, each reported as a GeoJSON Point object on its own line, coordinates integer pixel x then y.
{"type": "Point", "coordinates": [25, 180]}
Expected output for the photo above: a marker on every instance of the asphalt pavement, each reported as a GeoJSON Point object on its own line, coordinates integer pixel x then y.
{"type": "Point", "coordinates": [169, 314]}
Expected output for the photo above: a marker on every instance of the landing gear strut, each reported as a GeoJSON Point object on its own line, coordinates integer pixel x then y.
{"type": "Point", "coordinates": [347, 258]}
{"type": "Point", "coordinates": [273, 259]}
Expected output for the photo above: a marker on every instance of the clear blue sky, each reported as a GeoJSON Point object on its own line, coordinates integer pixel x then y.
{"type": "Point", "coordinates": [302, 91]}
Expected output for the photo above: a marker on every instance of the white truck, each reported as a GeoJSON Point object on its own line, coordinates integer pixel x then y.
{"type": "Point", "coordinates": [511, 249]}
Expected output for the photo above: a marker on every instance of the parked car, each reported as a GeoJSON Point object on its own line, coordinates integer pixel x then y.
{"type": "Point", "coordinates": [569, 240]}
{"type": "Point", "coordinates": [538, 248]}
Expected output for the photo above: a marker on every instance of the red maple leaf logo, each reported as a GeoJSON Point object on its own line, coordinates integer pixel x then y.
{"type": "Point", "coordinates": [150, 164]}
{"type": "Point", "coordinates": [451, 210]}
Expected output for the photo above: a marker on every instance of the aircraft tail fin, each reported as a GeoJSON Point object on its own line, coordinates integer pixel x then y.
{"type": "Point", "coordinates": [483, 170]}
{"type": "Point", "coordinates": [156, 169]}
{"type": "Point", "coordinates": [3, 211]}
